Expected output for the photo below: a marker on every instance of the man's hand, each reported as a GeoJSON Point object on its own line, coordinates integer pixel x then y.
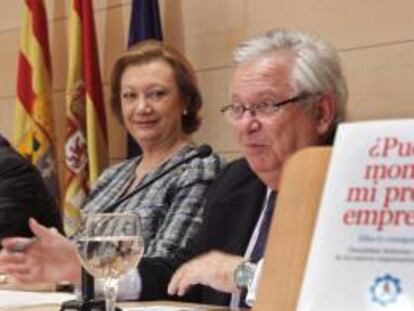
{"type": "Point", "coordinates": [51, 258]}
{"type": "Point", "coordinates": [214, 269]}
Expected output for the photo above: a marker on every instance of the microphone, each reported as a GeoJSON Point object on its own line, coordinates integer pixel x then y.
{"type": "Point", "coordinates": [202, 151]}
{"type": "Point", "coordinates": [87, 286]}
{"type": "Point", "coordinates": [87, 301]}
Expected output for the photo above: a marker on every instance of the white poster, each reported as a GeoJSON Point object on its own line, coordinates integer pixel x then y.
{"type": "Point", "coordinates": [362, 252]}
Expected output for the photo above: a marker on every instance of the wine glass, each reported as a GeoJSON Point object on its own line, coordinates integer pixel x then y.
{"type": "Point", "coordinates": [110, 245]}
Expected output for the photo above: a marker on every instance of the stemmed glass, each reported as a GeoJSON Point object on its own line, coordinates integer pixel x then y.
{"type": "Point", "coordinates": [109, 246]}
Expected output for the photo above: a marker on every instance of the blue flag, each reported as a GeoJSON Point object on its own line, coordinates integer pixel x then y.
{"type": "Point", "coordinates": [144, 24]}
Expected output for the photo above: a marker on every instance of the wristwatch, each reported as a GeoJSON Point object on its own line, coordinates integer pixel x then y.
{"type": "Point", "coordinates": [244, 273]}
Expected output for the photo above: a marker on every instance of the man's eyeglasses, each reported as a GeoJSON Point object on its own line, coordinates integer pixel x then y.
{"type": "Point", "coordinates": [236, 110]}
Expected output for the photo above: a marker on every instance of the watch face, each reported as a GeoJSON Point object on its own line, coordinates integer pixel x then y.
{"type": "Point", "coordinates": [243, 275]}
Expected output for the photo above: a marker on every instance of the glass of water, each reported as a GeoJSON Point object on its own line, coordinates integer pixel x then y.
{"type": "Point", "coordinates": [109, 246]}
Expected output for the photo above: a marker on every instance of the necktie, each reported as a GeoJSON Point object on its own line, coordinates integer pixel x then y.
{"type": "Point", "coordinates": [260, 243]}
{"type": "Point", "coordinates": [259, 246]}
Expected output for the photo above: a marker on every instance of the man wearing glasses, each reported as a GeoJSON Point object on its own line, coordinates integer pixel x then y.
{"type": "Point", "coordinates": [287, 93]}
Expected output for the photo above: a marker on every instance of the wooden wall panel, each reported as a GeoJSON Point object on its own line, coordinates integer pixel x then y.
{"type": "Point", "coordinates": [100, 5]}
{"type": "Point", "coordinates": [209, 29]}
{"type": "Point", "coordinates": [58, 41]}
{"type": "Point", "coordinates": [116, 132]}
{"type": "Point", "coordinates": [345, 23]}
{"type": "Point", "coordinates": [381, 82]}
{"type": "Point", "coordinates": [215, 129]}
{"type": "Point", "coordinates": [9, 41]}
{"type": "Point", "coordinates": [10, 15]}
{"type": "Point", "coordinates": [59, 121]}
{"type": "Point", "coordinates": [7, 116]}
{"type": "Point", "coordinates": [112, 30]}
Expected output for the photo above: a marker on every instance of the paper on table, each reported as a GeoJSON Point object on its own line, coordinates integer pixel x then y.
{"type": "Point", "coordinates": [162, 308]}
{"type": "Point", "coordinates": [11, 298]}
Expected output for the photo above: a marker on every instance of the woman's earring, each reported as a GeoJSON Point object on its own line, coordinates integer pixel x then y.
{"type": "Point", "coordinates": [185, 112]}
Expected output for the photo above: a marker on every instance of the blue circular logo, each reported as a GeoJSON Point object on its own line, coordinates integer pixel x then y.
{"type": "Point", "coordinates": [385, 289]}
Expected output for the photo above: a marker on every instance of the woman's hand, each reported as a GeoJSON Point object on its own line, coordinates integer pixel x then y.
{"type": "Point", "coordinates": [49, 258]}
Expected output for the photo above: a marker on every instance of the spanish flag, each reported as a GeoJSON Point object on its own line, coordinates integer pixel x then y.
{"type": "Point", "coordinates": [33, 129]}
{"type": "Point", "coordinates": [86, 147]}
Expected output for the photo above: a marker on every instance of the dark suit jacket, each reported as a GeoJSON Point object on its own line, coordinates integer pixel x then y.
{"type": "Point", "coordinates": [233, 205]}
{"type": "Point", "coordinates": [22, 195]}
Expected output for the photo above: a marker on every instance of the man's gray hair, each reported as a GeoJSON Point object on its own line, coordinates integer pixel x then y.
{"type": "Point", "coordinates": [316, 66]}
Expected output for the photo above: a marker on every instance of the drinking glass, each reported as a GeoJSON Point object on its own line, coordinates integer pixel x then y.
{"type": "Point", "coordinates": [109, 246]}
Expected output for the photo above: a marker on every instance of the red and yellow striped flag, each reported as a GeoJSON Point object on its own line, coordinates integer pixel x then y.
{"type": "Point", "coordinates": [33, 129]}
{"type": "Point", "coordinates": [86, 152]}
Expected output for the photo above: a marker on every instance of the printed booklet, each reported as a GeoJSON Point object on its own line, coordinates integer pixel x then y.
{"type": "Point", "coordinates": [362, 252]}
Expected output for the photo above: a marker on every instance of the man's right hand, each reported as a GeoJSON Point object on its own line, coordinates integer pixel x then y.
{"type": "Point", "coordinates": [51, 258]}
{"type": "Point", "coordinates": [214, 269]}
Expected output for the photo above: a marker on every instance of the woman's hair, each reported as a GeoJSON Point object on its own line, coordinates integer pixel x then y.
{"type": "Point", "coordinates": [316, 66]}
{"type": "Point", "coordinates": [151, 50]}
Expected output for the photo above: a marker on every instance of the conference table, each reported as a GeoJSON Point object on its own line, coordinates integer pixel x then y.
{"type": "Point", "coordinates": [128, 305]}
{"type": "Point", "coordinates": [24, 293]}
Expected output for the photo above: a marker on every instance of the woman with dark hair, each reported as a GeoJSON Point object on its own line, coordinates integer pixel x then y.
{"type": "Point", "coordinates": [156, 97]}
